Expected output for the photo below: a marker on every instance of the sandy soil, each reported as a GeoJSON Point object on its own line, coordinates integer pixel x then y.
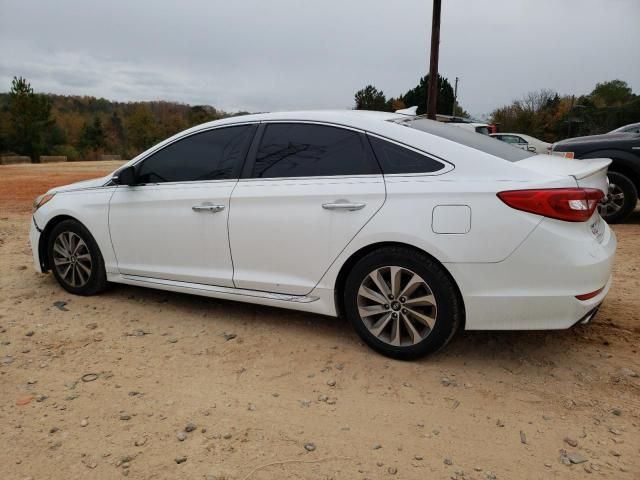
{"type": "Point", "coordinates": [101, 388]}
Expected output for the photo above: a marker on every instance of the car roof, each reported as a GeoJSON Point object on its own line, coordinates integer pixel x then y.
{"type": "Point", "coordinates": [351, 117]}
{"type": "Point", "coordinates": [443, 139]}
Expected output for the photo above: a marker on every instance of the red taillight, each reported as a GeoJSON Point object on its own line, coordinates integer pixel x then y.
{"type": "Point", "coordinates": [568, 204]}
{"type": "Point", "coordinates": [588, 296]}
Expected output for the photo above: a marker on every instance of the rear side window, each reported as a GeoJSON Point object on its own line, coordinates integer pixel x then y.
{"type": "Point", "coordinates": [484, 143]}
{"type": "Point", "coordinates": [396, 159]}
{"type": "Point", "coordinates": [309, 150]}
{"type": "Point", "coordinates": [212, 155]}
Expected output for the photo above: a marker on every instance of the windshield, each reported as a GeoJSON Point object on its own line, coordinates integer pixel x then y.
{"type": "Point", "coordinates": [633, 128]}
{"type": "Point", "coordinates": [484, 143]}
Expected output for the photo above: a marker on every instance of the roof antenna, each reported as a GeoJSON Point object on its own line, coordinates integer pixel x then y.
{"type": "Point", "coordinates": [412, 111]}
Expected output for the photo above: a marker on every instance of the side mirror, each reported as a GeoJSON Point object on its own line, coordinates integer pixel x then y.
{"type": "Point", "coordinates": [531, 148]}
{"type": "Point", "coordinates": [126, 176]}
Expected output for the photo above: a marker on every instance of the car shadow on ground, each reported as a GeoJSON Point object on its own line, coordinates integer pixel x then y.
{"type": "Point", "coordinates": [478, 347]}
{"type": "Point", "coordinates": [633, 218]}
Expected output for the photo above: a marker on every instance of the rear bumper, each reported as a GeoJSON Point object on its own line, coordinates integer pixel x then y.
{"type": "Point", "coordinates": [535, 288]}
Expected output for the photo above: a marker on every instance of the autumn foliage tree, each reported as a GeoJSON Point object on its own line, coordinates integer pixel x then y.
{"type": "Point", "coordinates": [549, 116]}
{"type": "Point", "coordinates": [82, 127]}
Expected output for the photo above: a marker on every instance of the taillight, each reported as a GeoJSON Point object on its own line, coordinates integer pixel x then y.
{"type": "Point", "coordinates": [568, 204]}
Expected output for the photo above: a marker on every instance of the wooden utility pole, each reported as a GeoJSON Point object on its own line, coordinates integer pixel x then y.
{"type": "Point", "coordinates": [432, 87]}
{"type": "Point", "coordinates": [455, 98]}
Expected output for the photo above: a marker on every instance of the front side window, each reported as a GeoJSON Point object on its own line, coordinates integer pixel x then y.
{"type": "Point", "coordinates": [395, 159]}
{"type": "Point", "coordinates": [211, 155]}
{"type": "Point", "coordinates": [309, 150]}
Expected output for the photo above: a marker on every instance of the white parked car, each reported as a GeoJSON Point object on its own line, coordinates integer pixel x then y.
{"type": "Point", "coordinates": [525, 142]}
{"type": "Point", "coordinates": [408, 227]}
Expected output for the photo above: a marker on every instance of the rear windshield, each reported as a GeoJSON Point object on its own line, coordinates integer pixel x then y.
{"type": "Point", "coordinates": [484, 143]}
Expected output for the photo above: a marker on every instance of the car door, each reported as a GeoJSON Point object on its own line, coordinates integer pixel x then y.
{"type": "Point", "coordinates": [173, 223]}
{"type": "Point", "coordinates": [309, 189]}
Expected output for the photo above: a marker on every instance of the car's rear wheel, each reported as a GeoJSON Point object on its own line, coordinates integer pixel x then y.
{"type": "Point", "coordinates": [402, 303]}
{"type": "Point", "coordinates": [75, 259]}
{"type": "Point", "coordinates": [621, 199]}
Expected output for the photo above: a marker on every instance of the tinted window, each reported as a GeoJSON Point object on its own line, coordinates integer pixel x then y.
{"type": "Point", "coordinates": [306, 150]}
{"type": "Point", "coordinates": [512, 139]}
{"type": "Point", "coordinates": [483, 143]}
{"type": "Point", "coordinates": [396, 159]}
{"type": "Point", "coordinates": [212, 155]}
{"type": "Point", "coordinates": [483, 130]}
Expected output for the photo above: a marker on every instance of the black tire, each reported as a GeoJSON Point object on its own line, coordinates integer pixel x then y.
{"type": "Point", "coordinates": [619, 184]}
{"type": "Point", "coordinates": [450, 311]}
{"type": "Point", "coordinates": [96, 280]}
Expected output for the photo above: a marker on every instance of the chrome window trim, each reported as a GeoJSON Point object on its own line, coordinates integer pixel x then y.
{"type": "Point", "coordinates": [319, 177]}
{"type": "Point", "coordinates": [185, 182]}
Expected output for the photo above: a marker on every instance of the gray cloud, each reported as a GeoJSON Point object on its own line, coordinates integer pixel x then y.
{"type": "Point", "coordinates": [288, 54]}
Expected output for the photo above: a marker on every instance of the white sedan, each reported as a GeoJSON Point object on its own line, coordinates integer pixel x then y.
{"type": "Point", "coordinates": [411, 229]}
{"type": "Point", "coordinates": [525, 142]}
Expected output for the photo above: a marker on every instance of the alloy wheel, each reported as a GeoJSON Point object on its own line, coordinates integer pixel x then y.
{"type": "Point", "coordinates": [397, 306]}
{"type": "Point", "coordinates": [614, 201]}
{"type": "Point", "coordinates": [72, 259]}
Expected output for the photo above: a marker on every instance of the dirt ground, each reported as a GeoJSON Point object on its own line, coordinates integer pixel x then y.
{"type": "Point", "coordinates": [99, 388]}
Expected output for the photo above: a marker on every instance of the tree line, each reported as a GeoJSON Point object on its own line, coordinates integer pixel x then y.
{"type": "Point", "coordinates": [84, 127]}
{"type": "Point", "coordinates": [544, 114]}
{"type": "Point", "coordinates": [547, 115]}
{"type": "Point", "coordinates": [370, 98]}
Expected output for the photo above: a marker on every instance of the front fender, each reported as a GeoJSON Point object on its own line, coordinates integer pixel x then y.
{"type": "Point", "coordinates": [89, 207]}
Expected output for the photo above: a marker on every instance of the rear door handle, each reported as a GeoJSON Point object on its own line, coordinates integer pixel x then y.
{"type": "Point", "coordinates": [208, 208]}
{"type": "Point", "coordinates": [351, 207]}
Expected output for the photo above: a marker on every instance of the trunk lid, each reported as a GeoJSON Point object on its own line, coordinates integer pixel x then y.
{"type": "Point", "coordinates": [588, 173]}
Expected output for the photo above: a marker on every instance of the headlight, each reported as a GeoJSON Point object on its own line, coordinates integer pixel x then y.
{"type": "Point", "coordinates": [41, 200]}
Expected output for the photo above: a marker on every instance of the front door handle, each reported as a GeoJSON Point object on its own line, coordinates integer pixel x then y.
{"type": "Point", "coordinates": [351, 207]}
{"type": "Point", "coordinates": [208, 208]}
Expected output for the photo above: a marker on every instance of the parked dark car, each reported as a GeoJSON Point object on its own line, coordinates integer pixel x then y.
{"type": "Point", "coordinates": [624, 172]}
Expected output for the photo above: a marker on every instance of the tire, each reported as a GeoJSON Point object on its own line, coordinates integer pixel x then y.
{"type": "Point", "coordinates": [72, 251]}
{"type": "Point", "coordinates": [621, 199]}
{"type": "Point", "coordinates": [434, 320]}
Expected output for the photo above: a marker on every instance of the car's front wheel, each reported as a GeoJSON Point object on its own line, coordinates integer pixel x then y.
{"type": "Point", "coordinates": [402, 303]}
{"type": "Point", "coordinates": [621, 199]}
{"type": "Point", "coordinates": [75, 259]}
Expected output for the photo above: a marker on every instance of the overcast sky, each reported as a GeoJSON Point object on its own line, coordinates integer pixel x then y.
{"type": "Point", "coordinates": [265, 55]}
